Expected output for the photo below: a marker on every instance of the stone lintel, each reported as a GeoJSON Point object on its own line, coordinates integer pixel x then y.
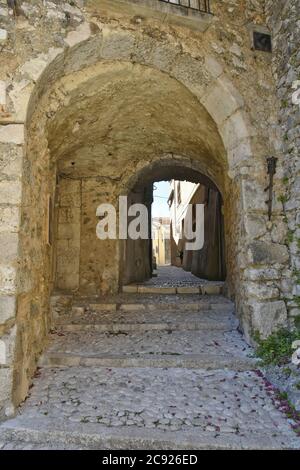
{"type": "Point", "coordinates": [172, 13]}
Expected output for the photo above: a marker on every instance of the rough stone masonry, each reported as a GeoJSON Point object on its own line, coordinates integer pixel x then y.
{"type": "Point", "coordinates": [96, 94]}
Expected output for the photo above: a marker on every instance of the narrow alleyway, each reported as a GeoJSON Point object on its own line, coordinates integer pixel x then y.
{"type": "Point", "coordinates": [148, 371]}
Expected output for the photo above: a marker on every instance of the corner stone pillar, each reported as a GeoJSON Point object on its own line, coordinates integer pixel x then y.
{"type": "Point", "coordinates": [263, 259]}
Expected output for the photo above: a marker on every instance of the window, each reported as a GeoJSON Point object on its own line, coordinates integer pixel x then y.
{"type": "Point", "coordinates": [262, 42]}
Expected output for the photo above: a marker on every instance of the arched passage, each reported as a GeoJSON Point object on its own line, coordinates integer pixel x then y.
{"type": "Point", "coordinates": [136, 255]}
{"type": "Point", "coordinates": [111, 122]}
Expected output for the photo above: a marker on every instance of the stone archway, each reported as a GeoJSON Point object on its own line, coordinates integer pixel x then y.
{"type": "Point", "coordinates": [135, 260]}
{"type": "Point", "coordinates": [208, 111]}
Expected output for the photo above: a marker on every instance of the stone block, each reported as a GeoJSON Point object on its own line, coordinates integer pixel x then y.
{"type": "Point", "coordinates": [103, 307]}
{"type": "Point", "coordinates": [7, 279]}
{"type": "Point", "coordinates": [261, 274]}
{"type": "Point", "coordinates": [188, 290]}
{"type": "Point", "coordinates": [68, 232]}
{"type": "Point", "coordinates": [191, 73]}
{"type": "Point", "coordinates": [130, 289]}
{"type": "Point", "coordinates": [6, 376]}
{"type": "Point", "coordinates": [261, 291]}
{"type": "Point", "coordinates": [156, 290]}
{"type": "Point", "coordinates": [12, 134]}
{"type": "Point", "coordinates": [20, 95]}
{"type": "Point", "coordinates": [234, 130]}
{"type": "Point", "coordinates": [34, 68]}
{"type": "Point", "coordinates": [69, 193]}
{"type": "Point", "coordinates": [211, 289]}
{"type": "Point", "coordinates": [9, 219]}
{"type": "Point", "coordinates": [279, 231]}
{"type": "Point", "coordinates": [253, 195]}
{"type": "Point", "coordinates": [116, 44]}
{"type": "Point", "coordinates": [82, 33]}
{"type": "Point", "coordinates": [2, 94]}
{"type": "Point", "coordinates": [3, 10]}
{"type": "Point", "coordinates": [268, 317]}
{"type": "Point", "coordinates": [78, 310]}
{"type": "Point", "coordinates": [3, 35]}
{"type": "Point", "coordinates": [10, 192]}
{"type": "Point", "coordinates": [68, 281]}
{"type": "Point", "coordinates": [7, 347]}
{"type": "Point", "coordinates": [68, 262]}
{"type": "Point", "coordinates": [213, 66]}
{"type": "Point", "coordinates": [69, 215]}
{"type": "Point", "coordinates": [132, 307]}
{"type": "Point", "coordinates": [11, 159]}
{"type": "Point", "coordinates": [9, 244]}
{"type": "Point", "coordinates": [255, 225]}
{"type": "Point", "coordinates": [240, 155]}
{"type": "Point", "coordinates": [222, 100]}
{"type": "Point", "coordinates": [260, 252]}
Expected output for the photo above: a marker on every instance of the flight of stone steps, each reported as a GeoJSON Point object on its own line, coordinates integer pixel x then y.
{"type": "Point", "coordinates": [146, 370]}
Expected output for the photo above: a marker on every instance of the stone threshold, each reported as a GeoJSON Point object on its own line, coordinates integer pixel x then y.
{"type": "Point", "coordinates": [205, 289]}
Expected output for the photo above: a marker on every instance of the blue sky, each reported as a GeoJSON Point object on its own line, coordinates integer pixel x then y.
{"type": "Point", "coordinates": [161, 192]}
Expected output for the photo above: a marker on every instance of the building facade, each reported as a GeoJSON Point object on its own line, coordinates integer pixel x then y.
{"type": "Point", "coordinates": [161, 241]}
{"type": "Point", "coordinates": [197, 208]}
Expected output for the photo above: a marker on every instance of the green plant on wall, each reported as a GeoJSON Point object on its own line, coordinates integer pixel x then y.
{"type": "Point", "coordinates": [285, 180]}
{"type": "Point", "coordinates": [277, 348]}
{"type": "Point", "coordinates": [290, 236]}
{"type": "Point", "coordinates": [282, 198]}
{"type": "Point", "coordinates": [297, 322]}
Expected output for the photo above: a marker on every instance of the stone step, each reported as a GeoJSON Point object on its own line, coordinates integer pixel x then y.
{"type": "Point", "coordinates": [171, 342]}
{"type": "Point", "coordinates": [14, 442]}
{"type": "Point", "coordinates": [141, 327]}
{"type": "Point", "coordinates": [202, 289]}
{"type": "Point", "coordinates": [151, 348]}
{"type": "Point", "coordinates": [149, 305]}
{"type": "Point", "coordinates": [117, 408]}
{"type": "Point", "coordinates": [141, 320]}
{"type": "Point", "coordinates": [187, 361]}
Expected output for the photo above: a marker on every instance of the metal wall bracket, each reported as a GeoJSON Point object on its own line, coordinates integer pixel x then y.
{"type": "Point", "coordinates": [271, 164]}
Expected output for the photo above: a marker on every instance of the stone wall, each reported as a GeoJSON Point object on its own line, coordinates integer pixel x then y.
{"type": "Point", "coordinates": [284, 20]}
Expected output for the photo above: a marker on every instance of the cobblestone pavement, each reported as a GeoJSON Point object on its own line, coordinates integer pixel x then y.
{"type": "Point", "coordinates": [214, 401]}
{"type": "Point", "coordinates": [121, 407]}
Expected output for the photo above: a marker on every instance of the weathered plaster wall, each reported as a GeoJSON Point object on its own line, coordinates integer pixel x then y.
{"type": "Point", "coordinates": [74, 81]}
{"type": "Point", "coordinates": [284, 19]}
